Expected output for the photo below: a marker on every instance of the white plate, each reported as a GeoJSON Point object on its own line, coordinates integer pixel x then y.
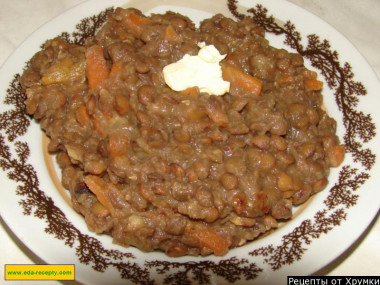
{"type": "Point", "coordinates": [53, 231]}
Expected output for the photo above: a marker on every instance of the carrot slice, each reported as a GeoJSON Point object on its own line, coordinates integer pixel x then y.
{"type": "Point", "coordinates": [121, 104]}
{"type": "Point", "coordinates": [99, 188]}
{"type": "Point", "coordinates": [313, 84]}
{"type": "Point", "coordinates": [191, 91]}
{"type": "Point", "coordinates": [239, 78]}
{"type": "Point", "coordinates": [82, 116]}
{"type": "Point", "coordinates": [117, 145]}
{"type": "Point", "coordinates": [97, 71]}
{"type": "Point", "coordinates": [136, 23]}
{"type": "Point", "coordinates": [285, 79]}
{"type": "Point", "coordinates": [211, 239]}
{"type": "Point", "coordinates": [170, 34]}
{"type": "Point", "coordinates": [335, 155]}
{"type": "Point", "coordinates": [309, 74]}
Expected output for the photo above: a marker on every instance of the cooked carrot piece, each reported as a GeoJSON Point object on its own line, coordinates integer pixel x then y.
{"type": "Point", "coordinates": [285, 79]}
{"type": "Point", "coordinates": [211, 239]}
{"type": "Point", "coordinates": [309, 74]}
{"type": "Point", "coordinates": [136, 23]}
{"type": "Point", "coordinates": [82, 116]}
{"type": "Point", "coordinates": [99, 188]}
{"type": "Point", "coordinates": [191, 91]}
{"type": "Point", "coordinates": [97, 71]}
{"type": "Point", "coordinates": [320, 184]}
{"type": "Point", "coordinates": [99, 125]}
{"type": "Point", "coordinates": [117, 145]}
{"type": "Point", "coordinates": [239, 78]}
{"type": "Point", "coordinates": [121, 104]}
{"type": "Point", "coordinates": [335, 155]}
{"type": "Point", "coordinates": [170, 34]}
{"type": "Point", "coordinates": [313, 84]}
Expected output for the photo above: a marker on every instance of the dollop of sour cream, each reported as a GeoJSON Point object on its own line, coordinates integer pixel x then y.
{"type": "Point", "coordinates": [202, 70]}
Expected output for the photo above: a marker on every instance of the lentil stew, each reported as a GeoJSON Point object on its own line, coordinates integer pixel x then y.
{"type": "Point", "coordinates": [184, 172]}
